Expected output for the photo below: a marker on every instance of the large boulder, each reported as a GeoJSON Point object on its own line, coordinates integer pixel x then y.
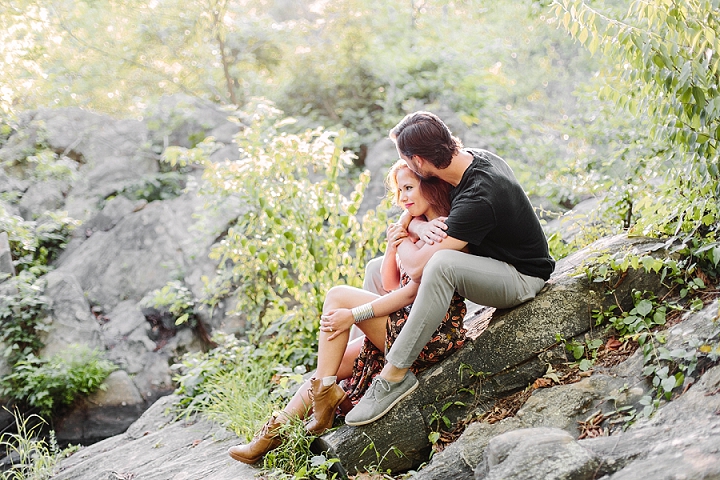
{"type": "Point", "coordinates": [107, 412]}
{"type": "Point", "coordinates": [511, 353]}
{"type": "Point", "coordinates": [677, 442]}
{"type": "Point", "coordinates": [104, 155]}
{"type": "Point", "coordinates": [541, 441]}
{"type": "Point", "coordinates": [126, 246]}
{"type": "Point", "coordinates": [160, 447]}
{"type": "Point", "coordinates": [71, 319]}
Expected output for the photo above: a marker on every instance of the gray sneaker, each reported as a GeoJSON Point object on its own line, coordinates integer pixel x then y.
{"type": "Point", "coordinates": [380, 397]}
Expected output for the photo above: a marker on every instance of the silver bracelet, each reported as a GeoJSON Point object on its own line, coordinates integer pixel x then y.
{"type": "Point", "coordinates": [362, 313]}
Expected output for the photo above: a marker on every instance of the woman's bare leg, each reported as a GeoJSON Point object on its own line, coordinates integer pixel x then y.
{"type": "Point", "coordinates": [336, 357]}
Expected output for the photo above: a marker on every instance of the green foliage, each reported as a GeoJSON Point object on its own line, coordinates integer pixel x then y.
{"type": "Point", "coordinates": [298, 235]}
{"type": "Point", "coordinates": [667, 370]}
{"type": "Point", "coordinates": [231, 384]}
{"type": "Point", "coordinates": [158, 186]}
{"type": "Point", "coordinates": [36, 243]}
{"type": "Point", "coordinates": [32, 457]}
{"type": "Point", "coordinates": [48, 384]}
{"type": "Point", "coordinates": [44, 164]}
{"type": "Point", "coordinates": [293, 458]}
{"type": "Point", "coordinates": [665, 69]}
{"type": "Point", "coordinates": [33, 244]}
{"type": "Point", "coordinates": [176, 298]}
{"type": "Point", "coordinates": [438, 420]}
{"type": "Point", "coordinates": [585, 353]}
{"type": "Point", "coordinates": [22, 315]}
{"type": "Point", "coordinates": [113, 56]}
{"type": "Point", "coordinates": [375, 469]}
{"type": "Point", "coordinates": [182, 158]}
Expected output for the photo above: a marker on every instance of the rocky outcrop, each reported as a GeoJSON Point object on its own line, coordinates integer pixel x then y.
{"type": "Point", "coordinates": [514, 350]}
{"type": "Point", "coordinates": [125, 247]}
{"type": "Point", "coordinates": [6, 265]}
{"type": "Point", "coordinates": [159, 447]}
{"type": "Point", "coordinates": [679, 441]}
{"type": "Point", "coordinates": [543, 440]}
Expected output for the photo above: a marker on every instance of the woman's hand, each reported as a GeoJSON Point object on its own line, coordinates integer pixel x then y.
{"type": "Point", "coordinates": [336, 321]}
{"type": "Point", "coordinates": [395, 235]}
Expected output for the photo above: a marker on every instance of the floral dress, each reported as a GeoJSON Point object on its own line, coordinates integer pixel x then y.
{"type": "Point", "coordinates": [448, 337]}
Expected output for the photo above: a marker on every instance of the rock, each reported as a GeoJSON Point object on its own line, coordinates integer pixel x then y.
{"type": "Point", "coordinates": [72, 322]}
{"type": "Point", "coordinates": [126, 327]}
{"type": "Point", "coordinates": [125, 248]}
{"type": "Point", "coordinates": [182, 120]}
{"type": "Point", "coordinates": [503, 359]}
{"type": "Point", "coordinates": [571, 223]}
{"type": "Point", "coordinates": [548, 453]}
{"type": "Point", "coordinates": [112, 213]}
{"type": "Point", "coordinates": [111, 153]}
{"type": "Point", "coordinates": [379, 158]}
{"type": "Point", "coordinates": [680, 441]}
{"type": "Point", "coordinates": [156, 447]}
{"type": "Point", "coordinates": [6, 263]}
{"type": "Point", "coordinates": [41, 197]}
{"type": "Point", "coordinates": [461, 457]}
{"type": "Point", "coordinates": [143, 251]}
{"type": "Point", "coordinates": [107, 412]}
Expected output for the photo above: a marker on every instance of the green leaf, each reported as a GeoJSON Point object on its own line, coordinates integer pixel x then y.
{"type": "Point", "coordinates": [668, 384]}
{"type": "Point", "coordinates": [644, 307]}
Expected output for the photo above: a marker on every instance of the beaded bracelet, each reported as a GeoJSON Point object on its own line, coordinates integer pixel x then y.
{"type": "Point", "coordinates": [362, 313]}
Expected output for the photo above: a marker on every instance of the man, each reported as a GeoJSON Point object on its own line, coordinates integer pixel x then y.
{"type": "Point", "coordinates": [491, 249]}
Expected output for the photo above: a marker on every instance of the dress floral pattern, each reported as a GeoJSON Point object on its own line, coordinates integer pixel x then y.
{"type": "Point", "coordinates": [448, 337]}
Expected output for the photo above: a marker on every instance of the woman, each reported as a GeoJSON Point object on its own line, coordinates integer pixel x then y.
{"type": "Point", "coordinates": [379, 317]}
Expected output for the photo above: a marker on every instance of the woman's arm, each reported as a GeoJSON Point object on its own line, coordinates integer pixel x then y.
{"type": "Point", "coordinates": [389, 271]}
{"type": "Point", "coordinates": [429, 231]}
{"type": "Point", "coordinates": [341, 319]}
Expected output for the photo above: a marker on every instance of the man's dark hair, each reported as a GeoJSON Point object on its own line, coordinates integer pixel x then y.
{"type": "Point", "coordinates": [425, 135]}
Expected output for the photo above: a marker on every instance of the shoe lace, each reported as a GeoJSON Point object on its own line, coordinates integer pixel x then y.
{"type": "Point", "coordinates": [377, 384]}
{"type": "Point", "coordinates": [265, 430]}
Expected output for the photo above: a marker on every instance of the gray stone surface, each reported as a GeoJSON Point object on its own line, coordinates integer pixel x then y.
{"type": "Point", "coordinates": [157, 448]}
{"type": "Point", "coordinates": [71, 320]}
{"type": "Point", "coordinates": [548, 453]}
{"type": "Point", "coordinates": [124, 248]}
{"type": "Point", "coordinates": [6, 263]}
{"type": "Point", "coordinates": [43, 196]}
{"type": "Point", "coordinates": [505, 358]}
{"type": "Point", "coordinates": [105, 413]}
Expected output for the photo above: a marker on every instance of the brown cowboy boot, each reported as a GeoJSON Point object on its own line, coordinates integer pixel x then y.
{"type": "Point", "coordinates": [261, 444]}
{"type": "Point", "coordinates": [325, 400]}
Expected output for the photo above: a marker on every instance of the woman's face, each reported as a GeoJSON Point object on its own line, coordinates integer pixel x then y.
{"type": "Point", "coordinates": [409, 195]}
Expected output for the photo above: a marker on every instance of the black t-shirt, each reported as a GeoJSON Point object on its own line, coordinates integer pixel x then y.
{"type": "Point", "coordinates": [491, 212]}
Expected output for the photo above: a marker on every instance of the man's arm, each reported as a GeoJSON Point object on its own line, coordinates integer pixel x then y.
{"type": "Point", "coordinates": [428, 231]}
{"type": "Point", "coordinates": [414, 257]}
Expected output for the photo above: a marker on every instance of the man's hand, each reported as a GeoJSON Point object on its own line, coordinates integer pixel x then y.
{"type": "Point", "coordinates": [430, 232]}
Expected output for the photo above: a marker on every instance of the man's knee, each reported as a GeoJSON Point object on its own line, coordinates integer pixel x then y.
{"type": "Point", "coordinates": [441, 264]}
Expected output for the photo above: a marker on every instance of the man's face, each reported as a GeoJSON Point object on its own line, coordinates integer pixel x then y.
{"type": "Point", "coordinates": [415, 167]}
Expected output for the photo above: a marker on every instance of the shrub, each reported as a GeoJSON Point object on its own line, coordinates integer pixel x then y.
{"type": "Point", "coordinates": [50, 384]}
